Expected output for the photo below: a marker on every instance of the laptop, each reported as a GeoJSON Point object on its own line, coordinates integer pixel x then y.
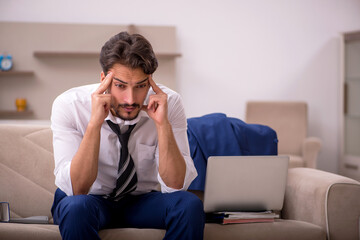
{"type": "Point", "coordinates": [245, 183]}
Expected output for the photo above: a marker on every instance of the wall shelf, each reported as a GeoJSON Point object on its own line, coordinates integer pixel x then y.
{"type": "Point", "coordinates": [8, 114]}
{"type": "Point", "coordinates": [16, 73]}
{"type": "Point", "coordinates": [168, 54]}
{"type": "Point", "coordinates": [41, 54]}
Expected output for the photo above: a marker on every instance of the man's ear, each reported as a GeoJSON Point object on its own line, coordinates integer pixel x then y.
{"type": "Point", "coordinates": [102, 76]}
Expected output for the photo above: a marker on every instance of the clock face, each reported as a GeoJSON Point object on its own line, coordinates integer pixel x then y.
{"type": "Point", "coordinates": [6, 64]}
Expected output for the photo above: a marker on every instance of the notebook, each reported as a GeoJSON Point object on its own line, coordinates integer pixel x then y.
{"type": "Point", "coordinates": [245, 183]}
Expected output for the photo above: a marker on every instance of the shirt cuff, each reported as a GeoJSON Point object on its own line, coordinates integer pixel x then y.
{"type": "Point", "coordinates": [190, 175]}
{"type": "Point", "coordinates": [63, 180]}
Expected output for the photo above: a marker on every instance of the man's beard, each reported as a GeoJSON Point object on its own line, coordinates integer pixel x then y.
{"type": "Point", "coordinates": [125, 116]}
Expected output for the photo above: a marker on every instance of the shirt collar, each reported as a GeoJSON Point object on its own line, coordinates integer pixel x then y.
{"type": "Point", "coordinates": [117, 120]}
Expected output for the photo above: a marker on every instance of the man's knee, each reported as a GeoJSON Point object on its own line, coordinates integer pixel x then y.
{"type": "Point", "coordinates": [76, 208]}
{"type": "Point", "coordinates": [186, 217]}
{"type": "Point", "coordinates": [78, 217]}
{"type": "Point", "coordinates": [192, 202]}
{"type": "Point", "coordinates": [189, 204]}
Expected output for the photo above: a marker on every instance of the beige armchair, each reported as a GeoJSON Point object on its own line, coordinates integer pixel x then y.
{"type": "Point", "coordinates": [289, 120]}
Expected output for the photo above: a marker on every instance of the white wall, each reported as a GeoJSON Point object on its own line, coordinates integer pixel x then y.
{"type": "Point", "coordinates": [234, 51]}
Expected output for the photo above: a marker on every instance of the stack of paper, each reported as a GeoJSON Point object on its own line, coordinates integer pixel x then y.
{"type": "Point", "coordinates": [241, 217]}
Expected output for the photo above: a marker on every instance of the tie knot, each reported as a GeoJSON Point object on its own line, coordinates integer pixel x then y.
{"type": "Point", "coordinates": [123, 137]}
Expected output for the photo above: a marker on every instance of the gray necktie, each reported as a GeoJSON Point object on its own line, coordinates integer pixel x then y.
{"type": "Point", "coordinates": [127, 180]}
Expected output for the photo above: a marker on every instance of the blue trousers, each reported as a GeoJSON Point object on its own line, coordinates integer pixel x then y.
{"type": "Point", "coordinates": [82, 216]}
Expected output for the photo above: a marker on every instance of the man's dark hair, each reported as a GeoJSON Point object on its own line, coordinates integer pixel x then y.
{"type": "Point", "coordinates": [132, 51]}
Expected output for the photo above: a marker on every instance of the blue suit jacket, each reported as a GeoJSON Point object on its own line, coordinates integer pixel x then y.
{"type": "Point", "coordinates": [218, 135]}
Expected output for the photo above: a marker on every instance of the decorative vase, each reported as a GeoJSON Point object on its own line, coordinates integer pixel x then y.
{"type": "Point", "coordinates": [20, 104]}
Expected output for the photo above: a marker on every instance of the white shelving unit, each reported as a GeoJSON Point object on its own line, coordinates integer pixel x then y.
{"type": "Point", "coordinates": [350, 111]}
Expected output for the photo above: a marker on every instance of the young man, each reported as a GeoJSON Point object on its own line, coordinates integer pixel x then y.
{"type": "Point", "coordinates": [121, 151]}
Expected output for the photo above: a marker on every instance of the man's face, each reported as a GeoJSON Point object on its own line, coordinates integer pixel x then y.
{"type": "Point", "coordinates": [128, 90]}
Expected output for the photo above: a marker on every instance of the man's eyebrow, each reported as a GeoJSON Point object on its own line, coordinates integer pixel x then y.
{"type": "Point", "coordinates": [119, 80]}
{"type": "Point", "coordinates": [142, 81]}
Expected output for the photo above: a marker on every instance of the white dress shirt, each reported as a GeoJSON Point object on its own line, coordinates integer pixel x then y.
{"type": "Point", "coordinates": [71, 113]}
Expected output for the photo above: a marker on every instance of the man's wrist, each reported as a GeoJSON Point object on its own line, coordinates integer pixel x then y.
{"type": "Point", "coordinates": [164, 125]}
{"type": "Point", "coordinates": [94, 125]}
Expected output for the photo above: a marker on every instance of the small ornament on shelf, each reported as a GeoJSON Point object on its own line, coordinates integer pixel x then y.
{"type": "Point", "coordinates": [6, 62]}
{"type": "Point", "coordinates": [20, 104]}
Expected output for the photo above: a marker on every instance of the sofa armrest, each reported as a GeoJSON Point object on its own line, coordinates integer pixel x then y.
{"type": "Point", "coordinates": [328, 200]}
{"type": "Point", "coordinates": [310, 150]}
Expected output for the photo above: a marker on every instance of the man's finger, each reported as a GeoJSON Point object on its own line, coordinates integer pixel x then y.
{"type": "Point", "coordinates": [144, 108]}
{"type": "Point", "coordinates": [154, 86]}
{"type": "Point", "coordinates": [105, 84]}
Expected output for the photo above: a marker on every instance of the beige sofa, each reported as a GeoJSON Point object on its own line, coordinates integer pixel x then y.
{"type": "Point", "coordinates": [318, 205]}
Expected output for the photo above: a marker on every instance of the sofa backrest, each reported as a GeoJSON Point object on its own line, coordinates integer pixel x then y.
{"type": "Point", "coordinates": [26, 169]}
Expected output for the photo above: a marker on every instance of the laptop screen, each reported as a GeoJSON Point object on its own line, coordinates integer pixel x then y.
{"type": "Point", "coordinates": [245, 183]}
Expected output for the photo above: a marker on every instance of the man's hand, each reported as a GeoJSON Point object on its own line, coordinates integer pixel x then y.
{"type": "Point", "coordinates": [172, 166]}
{"type": "Point", "coordinates": [157, 108]}
{"type": "Point", "coordinates": [101, 101]}
{"type": "Point", "coordinates": [84, 165]}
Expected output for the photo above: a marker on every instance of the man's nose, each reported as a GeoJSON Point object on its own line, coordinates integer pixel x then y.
{"type": "Point", "coordinates": [129, 96]}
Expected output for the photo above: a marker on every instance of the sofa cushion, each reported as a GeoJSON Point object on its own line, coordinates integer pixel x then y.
{"type": "Point", "coordinates": [132, 234]}
{"type": "Point", "coordinates": [280, 229]}
{"type": "Point", "coordinates": [15, 231]}
{"type": "Point", "coordinates": [26, 169]}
